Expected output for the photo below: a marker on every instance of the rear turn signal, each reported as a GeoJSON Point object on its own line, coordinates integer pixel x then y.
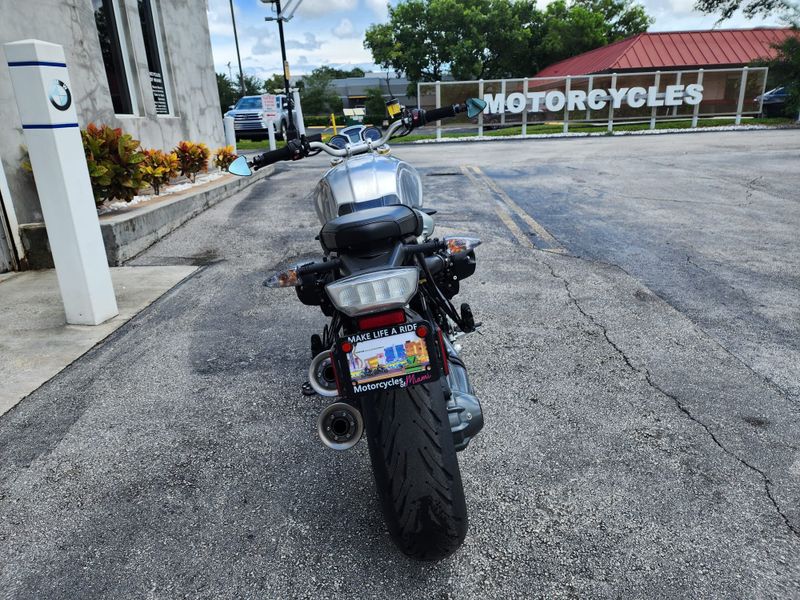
{"type": "Point", "coordinates": [457, 245]}
{"type": "Point", "coordinates": [286, 278]}
{"type": "Point", "coordinates": [393, 317]}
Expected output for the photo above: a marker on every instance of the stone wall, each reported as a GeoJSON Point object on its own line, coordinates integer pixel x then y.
{"type": "Point", "coordinates": [186, 46]}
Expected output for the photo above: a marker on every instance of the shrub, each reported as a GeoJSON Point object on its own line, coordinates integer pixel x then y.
{"type": "Point", "coordinates": [193, 158]}
{"type": "Point", "coordinates": [322, 120]}
{"type": "Point", "coordinates": [159, 167]}
{"type": "Point", "coordinates": [223, 157]}
{"type": "Point", "coordinates": [114, 163]}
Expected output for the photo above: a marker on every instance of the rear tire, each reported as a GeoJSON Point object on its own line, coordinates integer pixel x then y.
{"type": "Point", "coordinates": [416, 470]}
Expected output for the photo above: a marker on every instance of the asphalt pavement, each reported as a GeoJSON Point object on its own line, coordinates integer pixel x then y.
{"type": "Point", "coordinates": [638, 367]}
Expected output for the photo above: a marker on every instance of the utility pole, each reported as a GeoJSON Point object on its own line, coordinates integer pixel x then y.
{"type": "Point", "coordinates": [230, 71]}
{"type": "Point", "coordinates": [280, 18]}
{"type": "Point", "coordinates": [290, 126]}
{"type": "Point", "coordinates": [238, 56]}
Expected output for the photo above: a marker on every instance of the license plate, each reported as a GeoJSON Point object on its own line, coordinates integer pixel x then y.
{"type": "Point", "coordinates": [387, 358]}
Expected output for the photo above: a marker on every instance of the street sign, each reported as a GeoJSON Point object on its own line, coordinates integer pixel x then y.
{"type": "Point", "coordinates": [269, 104]}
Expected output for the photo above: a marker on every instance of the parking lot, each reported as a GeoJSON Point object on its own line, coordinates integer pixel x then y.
{"type": "Point", "coordinates": [639, 367]}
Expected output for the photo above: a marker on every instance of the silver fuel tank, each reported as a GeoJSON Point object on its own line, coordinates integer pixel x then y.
{"type": "Point", "coordinates": [366, 181]}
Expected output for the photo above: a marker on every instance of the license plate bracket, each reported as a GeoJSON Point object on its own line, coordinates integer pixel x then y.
{"type": "Point", "coordinates": [387, 358]}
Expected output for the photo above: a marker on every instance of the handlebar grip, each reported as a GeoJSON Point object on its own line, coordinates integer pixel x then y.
{"type": "Point", "coordinates": [317, 137]}
{"type": "Point", "coordinates": [445, 112]}
{"type": "Point", "coordinates": [268, 158]}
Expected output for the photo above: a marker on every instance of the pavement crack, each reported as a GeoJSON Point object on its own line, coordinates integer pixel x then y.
{"type": "Point", "coordinates": [764, 478]}
{"type": "Point", "coordinates": [691, 261]}
{"type": "Point", "coordinates": [647, 376]}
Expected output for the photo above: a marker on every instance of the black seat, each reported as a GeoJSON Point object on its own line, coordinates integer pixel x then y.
{"type": "Point", "coordinates": [370, 227]}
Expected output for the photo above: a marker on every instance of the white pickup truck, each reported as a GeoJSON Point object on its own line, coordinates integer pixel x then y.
{"type": "Point", "coordinates": [248, 118]}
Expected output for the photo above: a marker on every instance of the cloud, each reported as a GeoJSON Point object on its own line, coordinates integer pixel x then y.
{"type": "Point", "coordinates": [345, 29]}
{"type": "Point", "coordinates": [219, 18]}
{"type": "Point", "coordinates": [269, 44]}
{"type": "Point", "coordinates": [311, 43]}
{"type": "Point", "coordinates": [264, 46]}
{"type": "Point", "coordinates": [318, 8]}
{"type": "Point", "coordinates": [378, 7]}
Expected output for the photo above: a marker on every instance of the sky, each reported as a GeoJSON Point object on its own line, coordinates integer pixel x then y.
{"type": "Point", "coordinates": [331, 32]}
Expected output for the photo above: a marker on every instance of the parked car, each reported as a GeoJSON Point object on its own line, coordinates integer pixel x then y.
{"type": "Point", "coordinates": [774, 102]}
{"type": "Point", "coordinates": [248, 118]}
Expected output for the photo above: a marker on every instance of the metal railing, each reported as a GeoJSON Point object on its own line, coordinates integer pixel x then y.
{"type": "Point", "coordinates": [648, 98]}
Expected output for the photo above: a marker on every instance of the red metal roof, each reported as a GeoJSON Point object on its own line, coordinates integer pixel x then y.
{"type": "Point", "coordinates": [675, 50]}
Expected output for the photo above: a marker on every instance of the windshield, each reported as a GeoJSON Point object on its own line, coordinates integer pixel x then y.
{"type": "Point", "coordinates": [247, 103]}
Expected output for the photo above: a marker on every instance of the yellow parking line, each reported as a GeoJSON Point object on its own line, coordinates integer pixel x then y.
{"type": "Point", "coordinates": [504, 214]}
{"type": "Point", "coordinates": [530, 221]}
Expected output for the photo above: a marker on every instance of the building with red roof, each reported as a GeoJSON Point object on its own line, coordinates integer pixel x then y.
{"type": "Point", "coordinates": [674, 51]}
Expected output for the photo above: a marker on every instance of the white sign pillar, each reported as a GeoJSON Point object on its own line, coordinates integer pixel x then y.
{"type": "Point", "coordinates": [271, 134]}
{"type": "Point", "coordinates": [50, 124]}
{"type": "Point", "coordinates": [480, 116]}
{"type": "Point", "coordinates": [740, 102]}
{"type": "Point", "coordinates": [229, 126]}
{"type": "Point", "coordinates": [298, 113]}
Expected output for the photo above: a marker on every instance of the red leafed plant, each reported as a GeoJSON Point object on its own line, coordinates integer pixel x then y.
{"type": "Point", "coordinates": [223, 157]}
{"type": "Point", "coordinates": [159, 167]}
{"type": "Point", "coordinates": [193, 158]}
{"type": "Point", "coordinates": [114, 162]}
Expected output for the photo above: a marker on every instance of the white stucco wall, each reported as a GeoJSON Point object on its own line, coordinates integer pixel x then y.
{"type": "Point", "coordinates": [186, 48]}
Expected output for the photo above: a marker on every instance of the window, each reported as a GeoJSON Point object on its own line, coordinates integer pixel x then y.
{"type": "Point", "coordinates": [109, 35]}
{"type": "Point", "coordinates": [248, 102]}
{"type": "Point", "coordinates": [150, 33]}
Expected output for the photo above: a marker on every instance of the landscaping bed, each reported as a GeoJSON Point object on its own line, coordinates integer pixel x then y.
{"type": "Point", "coordinates": [131, 228]}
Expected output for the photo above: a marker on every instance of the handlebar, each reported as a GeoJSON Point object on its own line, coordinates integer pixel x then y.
{"type": "Point", "coordinates": [438, 114]}
{"type": "Point", "coordinates": [297, 149]}
{"type": "Point", "coordinates": [293, 150]}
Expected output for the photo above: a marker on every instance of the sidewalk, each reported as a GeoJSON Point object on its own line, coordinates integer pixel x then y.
{"type": "Point", "coordinates": [35, 342]}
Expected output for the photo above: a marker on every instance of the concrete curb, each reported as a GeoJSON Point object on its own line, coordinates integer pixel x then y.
{"type": "Point", "coordinates": [130, 232]}
{"type": "Point", "coordinates": [542, 136]}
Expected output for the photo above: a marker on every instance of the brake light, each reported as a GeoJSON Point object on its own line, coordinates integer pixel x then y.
{"type": "Point", "coordinates": [393, 317]}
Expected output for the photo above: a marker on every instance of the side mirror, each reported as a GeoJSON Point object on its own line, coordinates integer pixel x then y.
{"type": "Point", "coordinates": [240, 167]}
{"type": "Point", "coordinates": [475, 106]}
{"type": "Point", "coordinates": [231, 107]}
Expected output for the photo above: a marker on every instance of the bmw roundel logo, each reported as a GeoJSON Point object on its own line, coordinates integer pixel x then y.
{"type": "Point", "coordinates": [60, 96]}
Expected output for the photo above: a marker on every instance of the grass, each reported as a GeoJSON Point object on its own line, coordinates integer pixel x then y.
{"type": "Point", "coordinates": [263, 145]}
{"type": "Point", "coordinates": [549, 128]}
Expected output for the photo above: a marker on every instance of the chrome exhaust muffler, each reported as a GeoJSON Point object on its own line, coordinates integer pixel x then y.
{"type": "Point", "coordinates": [321, 375]}
{"type": "Point", "coordinates": [340, 426]}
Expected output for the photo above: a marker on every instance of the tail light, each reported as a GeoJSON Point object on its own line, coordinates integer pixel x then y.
{"type": "Point", "coordinates": [393, 317]}
{"type": "Point", "coordinates": [374, 292]}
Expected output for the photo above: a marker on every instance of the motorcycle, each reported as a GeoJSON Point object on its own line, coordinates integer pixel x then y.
{"type": "Point", "coordinates": [389, 355]}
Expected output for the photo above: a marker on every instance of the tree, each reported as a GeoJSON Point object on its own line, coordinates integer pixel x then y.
{"type": "Point", "coordinates": [253, 86]}
{"type": "Point", "coordinates": [375, 106]}
{"type": "Point", "coordinates": [275, 84]}
{"type": "Point", "coordinates": [339, 73]}
{"type": "Point", "coordinates": [750, 8]}
{"type": "Point", "coordinates": [227, 94]}
{"type": "Point", "coordinates": [621, 18]}
{"type": "Point", "coordinates": [318, 95]}
{"type": "Point", "coordinates": [470, 39]}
